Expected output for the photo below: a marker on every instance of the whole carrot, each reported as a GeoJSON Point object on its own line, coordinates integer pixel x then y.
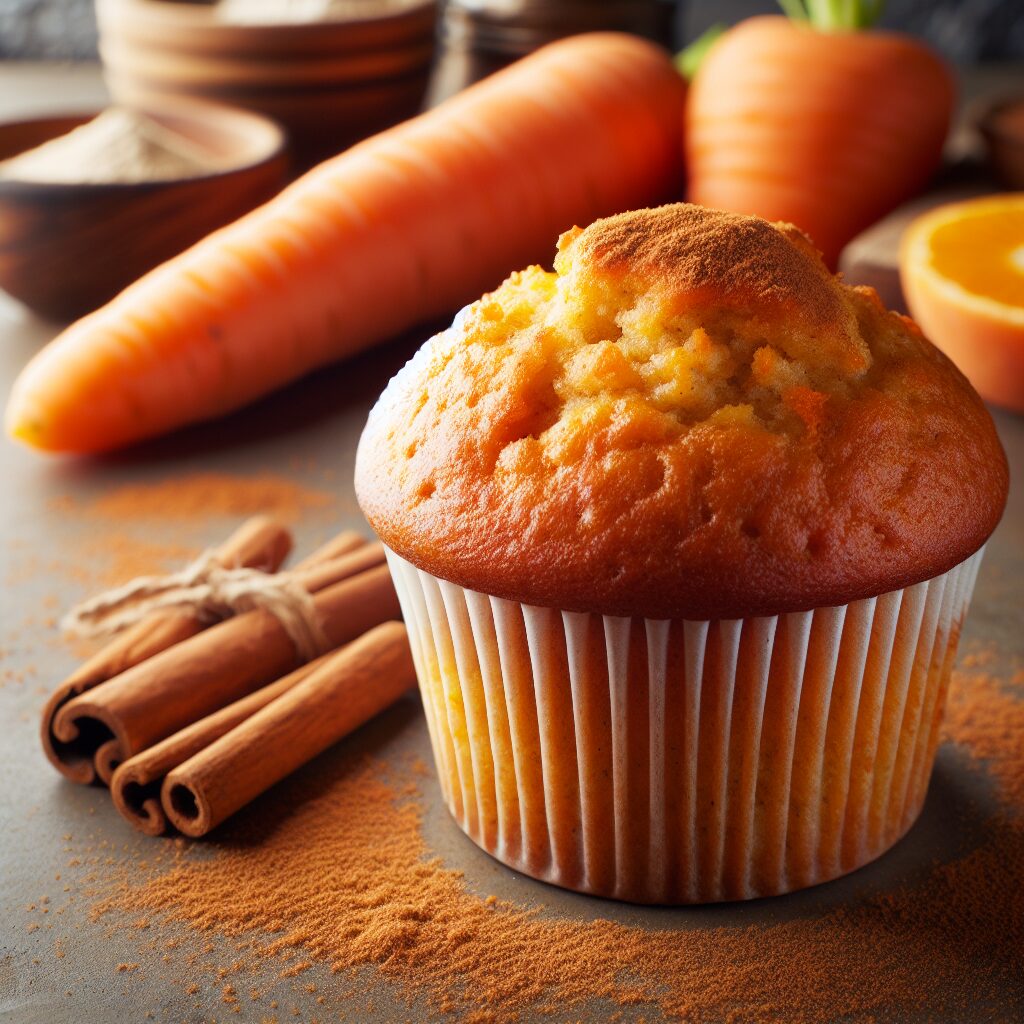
{"type": "Point", "coordinates": [809, 120]}
{"type": "Point", "coordinates": [401, 228]}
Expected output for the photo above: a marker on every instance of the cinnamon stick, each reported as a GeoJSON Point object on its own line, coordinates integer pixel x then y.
{"type": "Point", "coordinates": [88, 752]}
{"type": "Point", "coordinates": [315, 575]}
{"type": "Point", "coordinates": [348, 689]}
{"type": "Point", "coordinates": [259, 543]}
{"type": "Point", "coordinates": [192, 679]}
{"type": "Point", "coordinates": [135, 786]}
{"type": "Point", "coordinates": [343, 543]}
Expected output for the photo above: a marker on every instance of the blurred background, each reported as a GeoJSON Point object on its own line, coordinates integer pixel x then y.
{"type": "Point", "coordinates": [965, 31]}
{"type": "Point", "coordinates": [298, 81]}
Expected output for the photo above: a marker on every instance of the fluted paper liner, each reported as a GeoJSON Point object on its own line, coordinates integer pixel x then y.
{"type": "Point", "coordinates": [679, 761]}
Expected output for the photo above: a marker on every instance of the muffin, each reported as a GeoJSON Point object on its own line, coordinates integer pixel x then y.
{"type": "Point", "coordinates": [684, 533]}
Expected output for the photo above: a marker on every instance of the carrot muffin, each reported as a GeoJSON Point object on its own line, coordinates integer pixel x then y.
{"type": "Point", "coordinates": [684, 533]}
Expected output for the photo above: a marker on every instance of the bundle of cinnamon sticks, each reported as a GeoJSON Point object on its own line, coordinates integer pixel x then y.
{"type": "Point", "coordinates": [188, 721]}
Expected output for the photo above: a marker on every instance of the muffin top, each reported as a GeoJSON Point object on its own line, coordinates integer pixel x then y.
{"type": "Point", "coordinates": [691, 417]}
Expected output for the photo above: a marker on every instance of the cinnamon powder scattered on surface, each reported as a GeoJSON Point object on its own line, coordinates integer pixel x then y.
{"type": "Point", "coordinates": [344, 877]}
{"type": "Point", "coordinates": [116, 558]}
{"type": "Point", "coordinates": [986, 716]}
{"type": "Point", "coordinates": [94, 557]}
{"type": "Point", "coordinates": [200, 496]}
{"type": "Point", "coordinates": [104, 559]}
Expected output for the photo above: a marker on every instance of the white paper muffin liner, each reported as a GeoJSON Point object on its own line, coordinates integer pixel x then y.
{"type": "Point", "coordinates": [680, 761]}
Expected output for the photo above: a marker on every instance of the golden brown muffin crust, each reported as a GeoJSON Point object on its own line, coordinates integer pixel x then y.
{"type": "Point", "coordinates": [690, 417]}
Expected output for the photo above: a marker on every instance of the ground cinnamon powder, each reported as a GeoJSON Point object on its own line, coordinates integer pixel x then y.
{"type": "Point", "coordinates": [200, 496]}
{"type": "Point", "coordinates": [116, 543]}
{"type": "Point", "coordinates": [344, 876]}
{"type": "Point", "coordinates": [118, 557]}
{"type": "Point", "coordinates": [123, 548]}
{"type": "Point", "coordinates": [983, 714]}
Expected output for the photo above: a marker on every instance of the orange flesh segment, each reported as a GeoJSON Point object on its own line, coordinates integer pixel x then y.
{"type": "Point", "coordinates": [983, 253]}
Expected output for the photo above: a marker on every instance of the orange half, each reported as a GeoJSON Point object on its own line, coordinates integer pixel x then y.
{"type": "Point", "coordinates": [962, 272]}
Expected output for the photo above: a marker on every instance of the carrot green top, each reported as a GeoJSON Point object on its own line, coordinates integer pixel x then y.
{"type": "Point", "coordinates": [823, 15]}
{"type": "Point", "coordinates": [835, 15]}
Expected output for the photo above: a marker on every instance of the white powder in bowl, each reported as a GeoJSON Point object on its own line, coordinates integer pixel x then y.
{"type": "Point", "coordinates": [119, 145]}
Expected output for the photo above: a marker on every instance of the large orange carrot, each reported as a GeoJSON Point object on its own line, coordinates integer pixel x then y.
{"type": "Point", "coordinates": [403, 227]}
{"type": "Point", "coordinates": [826, 128]}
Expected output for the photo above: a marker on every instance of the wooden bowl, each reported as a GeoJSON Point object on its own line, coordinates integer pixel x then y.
{"type": "Point", "coordinates": [66, 249]}
{"type": "Point", "coordinates": [329, 82]}
{"type": "Point", "coordinates": [172, 68]}
{"type": "Point", "coordinates": [193, 28]}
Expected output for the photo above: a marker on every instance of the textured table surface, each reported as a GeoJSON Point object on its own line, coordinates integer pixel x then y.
{"type": "Point", "coordinates": [308, 433]}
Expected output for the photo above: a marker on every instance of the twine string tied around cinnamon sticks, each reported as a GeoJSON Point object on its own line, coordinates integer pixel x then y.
{"type": "Point", "coordinates": [209, 591]}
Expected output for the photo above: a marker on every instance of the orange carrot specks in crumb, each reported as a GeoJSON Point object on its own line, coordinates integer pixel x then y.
{"type": "Point", "coordinates": [808, 404]}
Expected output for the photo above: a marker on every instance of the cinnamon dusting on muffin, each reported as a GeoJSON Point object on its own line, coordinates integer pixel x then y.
{"type": "Point", "coordinates": [716, 263]}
